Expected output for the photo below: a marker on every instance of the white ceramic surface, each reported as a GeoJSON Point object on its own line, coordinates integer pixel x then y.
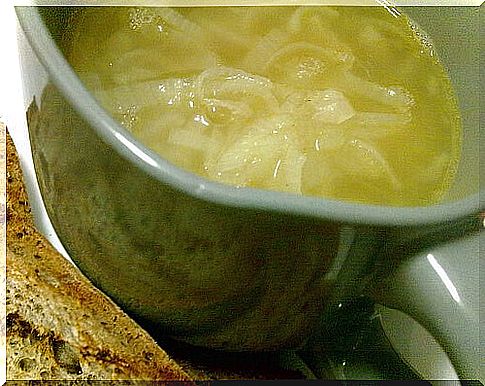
{"type": "Point", "coordinates": [12, 112]}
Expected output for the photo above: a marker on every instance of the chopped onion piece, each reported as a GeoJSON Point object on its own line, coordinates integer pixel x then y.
{"type": "Point", "coordinates": [327, 57]}
{"type": "Point", "coordinates": [227, 110]}
{"type": "Point", "coordinates": [257, 58]}
{"type": "Point", "coordinates": [235, 88]}
{"type": "Point", "coordinates": [380, 161]}
{"type": "Point", "coordinates": [293, 166]}
{"type": "Point", "coordinates": [331, 106]}
{"type": "Point", "coordinates": [307, 16]}
{"type": "Point", "coordinates": [192, 139]}
{"type": "Point", "coordinates": [179, 22]}
{"type": "Point", "coordinates": [251, 155]}
{"type": "Point", "coordinates": [377, 119]}
{"type": "Point", "coordinates": [314, 24]}
{"type": "Point", "coordinates": [163, 92]}
{"type": "Point", "coordinates": [394, 97]}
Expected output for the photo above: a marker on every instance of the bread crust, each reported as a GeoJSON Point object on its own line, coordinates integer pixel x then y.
{"type": "Point", "coordinates": [58, 325]}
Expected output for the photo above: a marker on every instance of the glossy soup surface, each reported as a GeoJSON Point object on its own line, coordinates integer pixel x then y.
{"type": "Point", "coordinates": [348, 102]}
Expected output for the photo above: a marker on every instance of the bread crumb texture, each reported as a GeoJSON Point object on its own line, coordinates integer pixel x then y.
{"type": "Point", "coordinates": [58, 325]}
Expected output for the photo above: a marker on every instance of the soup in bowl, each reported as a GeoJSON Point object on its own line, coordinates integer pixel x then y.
{"type": "Point", "coordinates": [228, 175]}
{"type": "Point", "coordinates": [349, 103]}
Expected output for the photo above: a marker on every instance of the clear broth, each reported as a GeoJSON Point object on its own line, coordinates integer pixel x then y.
{"type": "Point", "coordinates": [349, 103]}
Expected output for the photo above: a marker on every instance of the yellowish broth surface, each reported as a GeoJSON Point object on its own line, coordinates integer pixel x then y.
{"type": "Point", "coordinates": [348, 103]}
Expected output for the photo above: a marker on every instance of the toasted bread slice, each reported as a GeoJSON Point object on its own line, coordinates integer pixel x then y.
{"type": "Point", "coordinates": [59, 326]}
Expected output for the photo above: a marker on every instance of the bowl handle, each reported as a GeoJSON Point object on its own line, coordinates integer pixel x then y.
{"type": "Point", "coordinates": [439, 288]}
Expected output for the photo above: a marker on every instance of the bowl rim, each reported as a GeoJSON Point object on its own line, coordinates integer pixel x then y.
{"type": "Point", "coordinates": [112, 133]}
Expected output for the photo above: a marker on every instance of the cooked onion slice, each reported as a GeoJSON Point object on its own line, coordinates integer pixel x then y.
{"type": "Point", "coordinates": [312, 23]}
{"type": "Point", "coordinates": [302, 64]}
{"type": "Point", "coordinates": [331, 106]}
{"type": "Point", "coordinates": [166, 92]}
{"type": "Point", "coordinates": [292, 170]}
{"type": "Point", "coordinates": [257, 58]}
{"type": "Point", "coordinates": [193, 139]}
{"type": "Point", "coordinates": [393, 97]}
{"type": "Point", "coordinates": [220, 110]}
{"type": "Point", "coordinates": [175, 21]}
{"type": "Point", "coordinates": [230, 94]}
{"type": "Point", "coordinates": [374, 164]}
{"type": "Point", "coordinates": [252, 156]}
{"type": "Point", "coordinates": [381, 119]}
